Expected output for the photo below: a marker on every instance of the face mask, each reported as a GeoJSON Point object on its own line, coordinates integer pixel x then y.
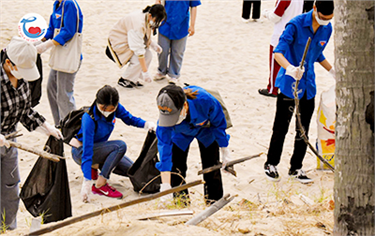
{"type": "Point", "coordinates": [16, 74]}
{"type": "Point", "coordinates": [105, 113]}
{"type": "Point", "coordinates": [321, 22]}
{"type": "Point", "coordinates": [182, 117]}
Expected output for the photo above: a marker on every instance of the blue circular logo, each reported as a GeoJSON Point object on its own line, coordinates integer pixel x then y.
{"type": "Point", "coordinates": [32, 27]}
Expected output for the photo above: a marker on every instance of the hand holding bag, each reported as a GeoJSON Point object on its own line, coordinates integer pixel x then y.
{"type": "Point", "coordinates": [66, 58]}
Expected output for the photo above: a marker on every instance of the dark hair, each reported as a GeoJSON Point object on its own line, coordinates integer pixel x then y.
{"type": "Point", "coordinates": [157, 11]}
{"type": "Point", "coordinates": [107, 96]}
{"type": "Point", "coordinates": [325, 7]}
{"type": "Point", "coordinates": [4, 56]}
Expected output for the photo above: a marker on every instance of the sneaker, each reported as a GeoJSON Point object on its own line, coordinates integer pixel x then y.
{"type": "Point", "coordinates": [300, 176]}
{"type": "Point", "coordinates": [172, 80]}
{"type": "Point", "coordinates": [266, 93]}
{"type": "Point", "coordinates": [138, 84]}
{"type": "Point", "coordinates": [245, 20]}
{"type": "Point", "coordinates": [94, 174]}
{"type": "Point", "coordinates": [106, 190]}
{"type": "Point", "coordinates": [159, 76]}
{"type": "Point", "coordinates": [126, 83]}
{"type": "Point", "coordinates": [271, 172]}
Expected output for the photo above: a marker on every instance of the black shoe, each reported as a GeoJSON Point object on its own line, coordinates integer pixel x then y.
{"type": "Point", "coordinates": [300, 176]}
{"type": "Point", "coordinates": [126, 83]}
{"type": "Point", "coordinates": [266, 93]}
{"type": "Point", "coordinates": [139, 84]}
{"type": "Point", "coordinates": [271, 172]}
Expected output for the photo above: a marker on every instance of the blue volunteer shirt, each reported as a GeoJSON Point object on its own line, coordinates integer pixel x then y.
{"type": "Point", "coordinates": [104, 129]}
{"type": "Point", "coordinates": [177, 25]}
{"type": "Point", "coordinates": [69, 27]}
{"type": "Point", "coordinates": [205, 108]}
{"type": "Point", "coordinates": [292, 45]}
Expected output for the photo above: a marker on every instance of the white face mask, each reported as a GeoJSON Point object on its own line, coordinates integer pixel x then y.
{"type": "Point", "coordinates": [105, 113]}
{"type": "Point", "coordinates": [16, 74]}
{"type": "Point", "coordinates": [182, 117]}
{"type": "Point", "coordinates": [321, 22]}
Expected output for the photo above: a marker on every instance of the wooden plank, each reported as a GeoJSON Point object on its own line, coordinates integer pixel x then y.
{"type": "Point", "coordinates": [116, 207]}
{"type": "Point", "coordinates": [211, 210]}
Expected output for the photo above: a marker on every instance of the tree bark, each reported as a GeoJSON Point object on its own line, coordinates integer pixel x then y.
{"type": "Point", "coordinates": [354, 154]}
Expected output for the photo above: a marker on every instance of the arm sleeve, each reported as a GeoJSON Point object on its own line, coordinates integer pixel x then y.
{"type": "Point", "coordinates": [218, 124]}
{"type": "Point", "coordinates": [195, 3]}
{"type": "Point", "coordinates": [136, 42]}
{"type": "Point", "coordinates": [128, 118]}
{"type": "Point", "coordinates": [69, 27]}
{"type": "Point", "coordinates": [31, 119]}
{"type": "Point", "coordinates": [286, 39]}
{"type": "Point", "coordinates": [164, 135]}
{"type": "Point", "coordinates": [281, 6]}
{"type": "Point", "coordinates": [88, 132]}
{"type": "Point", "coordinates": [321, 57]}
{"type": "Point", "coordinates": [50, 29]}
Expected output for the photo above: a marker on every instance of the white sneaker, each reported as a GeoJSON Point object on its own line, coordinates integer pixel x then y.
{"type": "Point", "coordinates": [159, 76]}
{"type": "Point", "coordinates": [245, 20]}
{"type": "Point", "coordinates": [173, 80]}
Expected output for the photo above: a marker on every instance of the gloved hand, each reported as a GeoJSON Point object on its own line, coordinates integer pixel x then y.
{"type": "Point", "coordinates": [164, 200]}
{"type": "Point", "coordinates": [150, 126]}
{"type": "Point", "coordinates": [332, 72]}
{"type": "Point", "coordinates": [48, 129]}
{"type": "Point", "coordinates": [295, 71]}
{"type": "Point", "coordinates": [265, 13]}
{"type": "Point", "coordinates": [156, 47]}
{"type": "Point", "coordinates": [44, 46]}
{"type": "Point", "coordinates": [270, 15]}
{"type": "Point", "coordinates": [36, 43]}
{"type": "Point", "coordinates": [146, 77]}
{"type": "Point", "coordinates": [86, 189]}
{"type": "Point", "coordinates": [3, 141]}
{"type": "Point", "coordinates": [225, 155]}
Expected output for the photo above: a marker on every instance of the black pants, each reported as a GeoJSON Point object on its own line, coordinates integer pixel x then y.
{"type": "Point", "coordinates": [213, 188]}
{"type": "Point", "coordinates": [246, 9]}
{"type": "Point", "coordinates": [284, 112]}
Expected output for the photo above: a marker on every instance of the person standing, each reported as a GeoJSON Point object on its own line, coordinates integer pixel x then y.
{"type": "Point", "coordinates": [129, 42]}
{"type": "Point", "coordinates": [246, 10]}
{"type": "Point", "coordinates": [186, 114]}
{"type": "Point", "coordinates": [17, 68]}
{"type": "Point", "coordinates": [284, 11]}
{"type": "Point", "coordinates": [60, 85]}
{"type": "Point", "coordinates": [173, 36]}
{"type": "Point", "coordinates": [91, 146]}
{"type": "Point", "coordinates": [288, 53]}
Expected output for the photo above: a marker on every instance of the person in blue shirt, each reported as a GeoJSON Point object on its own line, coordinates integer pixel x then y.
{"type": "Point", "coordinates": [186, 114]}
{"type": "Point", "coordinates": [288, 53]}
{"type": "Point", "coordinates": [91, 147]}
{"type": "Point", "coordinates": [173, 35]}
{"type": "Point", "coordinates": [60, 84]}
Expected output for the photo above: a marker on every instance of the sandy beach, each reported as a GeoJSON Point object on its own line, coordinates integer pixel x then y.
{"type": "Point", "coordinates": [225, 54]}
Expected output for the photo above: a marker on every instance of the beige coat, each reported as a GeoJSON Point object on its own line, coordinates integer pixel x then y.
{"type": "Point", "coordinates": [130, 35]}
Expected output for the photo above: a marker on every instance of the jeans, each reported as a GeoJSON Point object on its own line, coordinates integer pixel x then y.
{"type": "Point", "coordinates": [60, 94]}
{"type": "Point", "coordinates": [284, 112]}
{"type": "Point", "coordinates": [10, 179]}
{"type": "Point", "coordinates": [110, 155]}
{"type": "Point", "coordinates": [175, 50]}
{"type": "Point", "coordinates": [213, 187]}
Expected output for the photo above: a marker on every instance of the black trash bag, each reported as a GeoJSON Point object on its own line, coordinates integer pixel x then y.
{"type": "Point", "coordinates": [46, 189]}
{"type": "Point", "coordinates": [143, 169]}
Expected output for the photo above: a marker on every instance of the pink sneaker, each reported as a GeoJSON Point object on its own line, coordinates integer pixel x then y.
{"type": "Point", "coordinates": [94, 174]}
{"type": "Point", "coordinates": [106, 190]}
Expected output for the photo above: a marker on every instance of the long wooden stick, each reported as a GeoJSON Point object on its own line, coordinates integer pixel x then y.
{"type": "Point", "coordinates": [230, 163]}
{"type": "Point", "coordinates": [43, 154]}
{"type": "Point", "coordinates": [165, 214]}
{"type": "Point", "coordinates": [210, 210]}
{"type": "Point", "coordinates": [116, 207]}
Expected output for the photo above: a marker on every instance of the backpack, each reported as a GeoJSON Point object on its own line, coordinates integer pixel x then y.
{"type": "Point", "coordinates": [71, 124]}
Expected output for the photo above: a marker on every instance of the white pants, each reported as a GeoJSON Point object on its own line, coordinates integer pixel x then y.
{"type": "Point", "coordinates": [134, 70]}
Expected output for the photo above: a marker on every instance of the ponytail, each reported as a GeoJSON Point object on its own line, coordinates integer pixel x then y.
{"type": "Point", "coordinates": [190, 94]}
